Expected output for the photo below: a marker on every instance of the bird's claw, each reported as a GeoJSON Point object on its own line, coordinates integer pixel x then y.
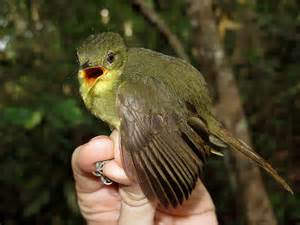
{"type": "Point", "coordinates": [99, 172]}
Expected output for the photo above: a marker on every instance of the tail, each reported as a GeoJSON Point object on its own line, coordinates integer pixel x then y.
{"type": "Point", "coordinates": [243, 148]}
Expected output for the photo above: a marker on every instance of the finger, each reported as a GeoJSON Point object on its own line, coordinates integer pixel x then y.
{"type": "Point", "coordinates": [84, 159]}
{"type": "Point", "coordinates": [113, 171]}
{"type": "Point", "coordinates": [204, 218]}
{"type": "Point", "coordinates": [136, 209]}
{"type": "Point", "coordinates": [198, 209]}
{"type": "Point", "coordinates": [199, 202]}
{"type": "Point", "coordinates": [116, 139]}
{"type": "Point", "coordinates": [99, 148]}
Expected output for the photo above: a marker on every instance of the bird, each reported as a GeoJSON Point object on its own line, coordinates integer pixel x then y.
{"type": "Point", "coordinates": [162, 109]}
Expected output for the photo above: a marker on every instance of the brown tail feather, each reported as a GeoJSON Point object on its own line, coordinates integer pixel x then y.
{"type": "Point", "coordinates": [243, 148]}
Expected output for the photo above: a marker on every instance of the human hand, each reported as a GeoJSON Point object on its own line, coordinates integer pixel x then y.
{"type": "Point", "coordinates": [123, 202]}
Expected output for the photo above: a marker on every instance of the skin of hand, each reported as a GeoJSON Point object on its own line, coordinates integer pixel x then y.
{"type": "Point", "coordinates": [123, 202]}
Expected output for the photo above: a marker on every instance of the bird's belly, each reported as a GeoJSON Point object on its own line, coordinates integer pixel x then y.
{"type": "Point", "coordinates": [108, 114]}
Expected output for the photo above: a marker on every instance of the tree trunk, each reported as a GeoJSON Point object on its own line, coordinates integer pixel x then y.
{"type": "Point", "coordinates": [210, 55]}
{"type": "Point", "coordinates": [162, 27]}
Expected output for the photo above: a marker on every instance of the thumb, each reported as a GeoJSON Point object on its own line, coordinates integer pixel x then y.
{"type": "Point", "coordinates": [135, 207]}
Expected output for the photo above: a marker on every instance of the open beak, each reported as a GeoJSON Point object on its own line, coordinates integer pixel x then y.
{"type": "Point", "coordinates": [91, 74]}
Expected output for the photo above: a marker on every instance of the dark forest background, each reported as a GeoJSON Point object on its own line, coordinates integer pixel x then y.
{"type": "Point", "coordinates": [43, 118]}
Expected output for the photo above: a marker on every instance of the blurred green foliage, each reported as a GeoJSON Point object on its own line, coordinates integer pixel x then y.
{"type": "Point", "coordinates": [43, 118]}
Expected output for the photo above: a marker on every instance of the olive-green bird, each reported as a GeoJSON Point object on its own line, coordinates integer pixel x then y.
{"type": "Point", "coordinates": [162, 109]}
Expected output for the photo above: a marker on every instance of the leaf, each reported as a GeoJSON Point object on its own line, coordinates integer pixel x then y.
{"type": "Point", "coordinates": [34, 120]}
{"type": "Point", "coordinates": [21, 116]}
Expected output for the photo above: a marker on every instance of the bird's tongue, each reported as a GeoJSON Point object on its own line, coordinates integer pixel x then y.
{"type": "Point", "coordinates": [92, 73]}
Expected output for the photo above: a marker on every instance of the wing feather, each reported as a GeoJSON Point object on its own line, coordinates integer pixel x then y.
{"type": "Point", "coordinates": [165, 166]}
{"type": "Point", "coordinates": [184, 175]}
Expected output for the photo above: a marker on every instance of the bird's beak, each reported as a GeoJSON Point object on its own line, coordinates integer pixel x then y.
{"type": "Point", "coordinates": [91, 74]}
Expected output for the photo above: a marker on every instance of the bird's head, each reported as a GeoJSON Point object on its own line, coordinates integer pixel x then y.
{"type": "Point", "coordinates": [102, 58]}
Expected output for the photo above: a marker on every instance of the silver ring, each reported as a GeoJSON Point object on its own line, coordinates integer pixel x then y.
{"type": "Point", "coordinates": [99, 172]}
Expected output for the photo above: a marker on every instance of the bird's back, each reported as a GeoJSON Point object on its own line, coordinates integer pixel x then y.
{"type": "Point", "coordinates": [182, 79]}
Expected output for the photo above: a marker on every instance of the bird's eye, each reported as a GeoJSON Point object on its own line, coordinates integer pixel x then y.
{"type": "Point", "coordinates": [111, 57]}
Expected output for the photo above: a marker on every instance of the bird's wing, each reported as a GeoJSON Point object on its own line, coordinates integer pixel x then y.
{"type": "Point", "coordinates": [156, 143]}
